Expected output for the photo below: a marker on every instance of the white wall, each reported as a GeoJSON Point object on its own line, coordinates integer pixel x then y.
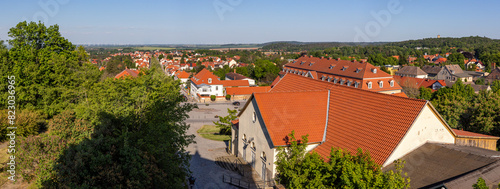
{"type": "Point", "coordinates": [421, 76]}
{"type": "Point", "coordinates": [255, 130]}
{"type": "Point", "coordinates": [250, 81]}
{"type": "Point", "coordinates": [426, 128]}
{"type": "Point", "coordinates": [258, 132]}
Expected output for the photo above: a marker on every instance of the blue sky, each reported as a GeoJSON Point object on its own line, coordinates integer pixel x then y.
{"type": "Point", "coordinates": [254, 21]}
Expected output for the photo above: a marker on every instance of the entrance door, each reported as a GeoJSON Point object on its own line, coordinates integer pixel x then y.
{"type": "Point", "coordinates": [244, 153]}
{"type": "Point", "coordinates": [263, 170]}
{"type": "Point", "coordinates": [253, 159]}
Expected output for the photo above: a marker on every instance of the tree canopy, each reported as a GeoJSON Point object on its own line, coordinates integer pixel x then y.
{"type": "Point", "coordinates": [114, 133]}
{"type": "Point", "coordinates": [299, 169]}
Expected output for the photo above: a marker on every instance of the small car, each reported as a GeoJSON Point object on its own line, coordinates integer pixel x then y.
{"type": "Point", "coordinates": [236, 103]}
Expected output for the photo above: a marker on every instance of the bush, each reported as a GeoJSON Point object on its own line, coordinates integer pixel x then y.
{"type": "Point", "coordinates": [212, 97]}
{"type": "Point", "coordinates": [37, 156]}
{"type": "Point", "coordinates": [27, 123]}
{"type": "Point", "coordinates": [228, 97]}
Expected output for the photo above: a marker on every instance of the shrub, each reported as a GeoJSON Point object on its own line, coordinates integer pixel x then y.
{"type": "Point", "coordinates": [228, 97]}
{"type": "Point", "coordinates": [212, 97]}
{"type": "Point", "coordinates": [27, 123]}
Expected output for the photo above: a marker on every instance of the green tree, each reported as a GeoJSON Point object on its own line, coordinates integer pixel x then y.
{"type": "Point", "coordinates": [425, 93]}
{"type": "Point", "coordinates": [495, 86]}
{"type": "Point", "coordinates": [48, 75]}
{"type": "Point", "coordinates": [224, 123]}
{"type": "Point", "coordinates": [480, 81]}
{"type": "Point", "coordinates": [299, 169]}
{"type": "Point", "coordinates": [480, 184]}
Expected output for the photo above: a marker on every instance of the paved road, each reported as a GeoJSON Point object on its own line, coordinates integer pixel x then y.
{"type": "Point", "coordinates": [208, 175]}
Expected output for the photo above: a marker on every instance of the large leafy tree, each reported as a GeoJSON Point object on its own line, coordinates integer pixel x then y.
{"type": "Point", "coordinates": [299, 169]}
{"type": "Point", "coordinates": [49, 75]}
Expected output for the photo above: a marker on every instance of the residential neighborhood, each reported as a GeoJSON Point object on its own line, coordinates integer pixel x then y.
{"type": "Point", "coordinates": [229, 94]}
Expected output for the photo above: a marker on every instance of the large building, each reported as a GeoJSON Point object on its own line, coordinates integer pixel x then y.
{"type": "Point", "coordinates": [387, 126]}
{"type": "Point", "coordinates": [354, 74]}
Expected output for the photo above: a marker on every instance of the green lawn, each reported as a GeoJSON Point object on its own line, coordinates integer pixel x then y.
{"type": "Point", "coordinates": [212, 132]}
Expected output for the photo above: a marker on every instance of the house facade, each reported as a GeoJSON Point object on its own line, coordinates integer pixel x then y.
{"type": "Point", "coordinates": [205, 84]}
{"type": "Point", "coordinates": [237, 76]}
{"type": "Point", "coordinates": [411, 71]}
{"type": "Point", "coordinates": [453, 73]}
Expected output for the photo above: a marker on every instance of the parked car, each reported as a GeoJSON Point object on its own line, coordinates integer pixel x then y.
{"type": "Point", "coordinates": [236, 103]}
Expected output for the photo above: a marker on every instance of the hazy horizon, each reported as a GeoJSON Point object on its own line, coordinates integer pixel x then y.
{"type": "Point", "coordinates": [254, 22]}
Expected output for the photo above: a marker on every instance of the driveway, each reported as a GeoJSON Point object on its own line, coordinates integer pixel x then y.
{"type": "Point", "coordinates": [204, 151]}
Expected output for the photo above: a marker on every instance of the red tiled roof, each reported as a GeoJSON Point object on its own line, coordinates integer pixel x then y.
{"type": "Point", "coordinates": [461, 133]}
{"type": "Point", "coordinates": [182, 74]}
{"type": "Point", "coordinates": [203, 77]}
{"type": "Point", "coordinates": [275, 81]}
{"type": "Point", "coordinates": [400, 94]}
{"type": "Point", "coordinates": [358, 118]}
{"type": "Point", "coordinates": [281, 116]}
{"type": "Point", "coordinates": [127, 72]}
{"type": "Point", "coordinates": [246, 90]}
{"type": "Point", "coordinates": [235, 83]}
{"type": "Point", "coordinates": [354, 71]}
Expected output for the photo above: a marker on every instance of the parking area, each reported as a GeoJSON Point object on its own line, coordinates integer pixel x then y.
{"type": "Point", "coordinates": [204, 151]}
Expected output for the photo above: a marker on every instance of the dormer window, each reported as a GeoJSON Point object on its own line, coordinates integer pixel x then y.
{"type": "Point", "coordinates": [349, 83]}
{"type": "Point", "coordinates": [374, 70]}
{"type": "Point", "coordinates": [345, 68]}
{"type": "Point", "coordinates": [381, 84]}
{"type": "Point", "coordinates": [209, 80]}
{"type": "Point", "coordinates": [294, 61]}
{"type": "Point", "coordinates": [329, 79]}
{"type": "Point", "coordinates": [356, 84]}
{"type": "Point", "coordinates": [335, 80]}
{"type": "Point", "coordinates": [369, 85]}
{"type": "Point", "coordinates": [302, 62]}
{"type": "Point", "coordinates": [323, 78]}
{"type": "Point", "coordinates": [332, 66]}
{"type": "Point", "coordinates": [358, 70]}
{"type": "Point", "coordinates": [310, 64]}
{"type": "Point", "coordinates": [341, 82]}
{"type": "Point", "coordinates": [391, 83]}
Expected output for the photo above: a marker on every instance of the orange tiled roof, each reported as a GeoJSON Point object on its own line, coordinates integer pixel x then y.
{"type": "Point", "coordinates": [182, 74]}
{"type": "Point", "coordinates": [358, 118]}
{"type": "Point", "coordinates": [461, 133]}
{"type": "Point", "coordinates": [127, 72]}
{"type": "Point", "coordinates": [353, 71]}
{"type": "Point", "coordinates": [235, 83]}
{"type": "Point", "coordinates": [246, 90]}
{"type": "Point", "coordinates": [400, 94]}
{"type": "Point", "coordinates": [275, 81]}
{"type": "Point", "coordinates": [203, 77]}
{"type": "Point", "coordinates": [281, 117]}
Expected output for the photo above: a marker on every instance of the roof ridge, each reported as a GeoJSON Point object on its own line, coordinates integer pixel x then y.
{"type": "Point", "coordinates": [351, 88]}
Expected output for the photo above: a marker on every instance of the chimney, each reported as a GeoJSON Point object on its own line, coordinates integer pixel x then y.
{"type": "Point", "coordinates": [234, 70]}
{"type": "Point", "coordinates": [310, 56]}
{"type": "Point", "coordinates": [494, 65]}
{"type": "Point", "coordinates": [338, 59]}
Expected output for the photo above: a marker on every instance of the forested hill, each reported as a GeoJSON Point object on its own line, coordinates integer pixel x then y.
{"type": "Point", "coordinates": [466, 43]}
{"type": "Point", "coordinates": [310, 46]}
